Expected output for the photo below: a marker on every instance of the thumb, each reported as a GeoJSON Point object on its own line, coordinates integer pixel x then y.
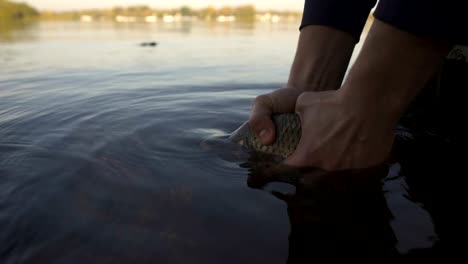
{"type": "Point", "coordinates": [279, 101]}
{"type": "Point", "coordinates": [260, 119]}
{"type": "Point", "coordinates": [264, 128]}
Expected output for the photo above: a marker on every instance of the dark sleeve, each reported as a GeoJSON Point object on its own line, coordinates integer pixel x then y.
{"type": "Point", "coordinates": [347, 15]}
{"type": "Point", "coordinates": [441, 19]}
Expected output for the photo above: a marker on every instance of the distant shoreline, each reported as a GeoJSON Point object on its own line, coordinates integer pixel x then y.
{"type": "Point", "coordinates": [142, 13]}
{"type": "Point", "coordinates": [16, 12]}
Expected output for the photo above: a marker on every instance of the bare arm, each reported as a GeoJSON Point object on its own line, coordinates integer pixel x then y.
{"type": "Point", "coordinates": [353, 127]}
{"type": "Point", "coordinates": [321, 60]}
{"type": "Point", "coordinates": [392, 69]}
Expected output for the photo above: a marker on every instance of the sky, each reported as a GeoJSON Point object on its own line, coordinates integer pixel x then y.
{"type": "Point", "coordinates": [296, 5]}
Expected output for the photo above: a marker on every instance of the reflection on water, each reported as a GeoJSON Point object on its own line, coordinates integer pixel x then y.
{"type": "Point", "coordinates": [404, 211]}
{"type": "Point", "coordinates": [194, 51]}
{"type": "Point", "coordinates": [16, 30]}
{"type": "Point", "coordinates": [100, 157]}
{"type": "Point", "coordinates": [336, 215]}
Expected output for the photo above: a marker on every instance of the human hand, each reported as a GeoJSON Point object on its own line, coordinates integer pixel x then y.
{"type": "Point", "coordinates": [279, 101]}
{"type": "Point", "coordinates": [340, 134]}
{"type": "Point", "coordinates": [320, 63]}
{"type": "Point", "coordinates": [354, 127]}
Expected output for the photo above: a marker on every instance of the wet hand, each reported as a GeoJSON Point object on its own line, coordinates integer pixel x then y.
{"type": "Point", "coordinates": [320, 62]}
{"type": "Point", "coordinates": [341, 134]}
{"type": "Point", "coordinates": [279, 101]}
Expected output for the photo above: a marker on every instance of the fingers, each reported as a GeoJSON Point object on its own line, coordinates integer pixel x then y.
{"type": "Point", "coordinates": [302, 155]}
{"type": "Point", "coordinates": [299, 156]}
{"type": "Point", "coordinates": [260, 119]}
{"type": "Point", "coordinates": [279, 101]}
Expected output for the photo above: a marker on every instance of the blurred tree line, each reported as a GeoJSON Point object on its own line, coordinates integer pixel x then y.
{"type": "Point", "coordinates": [16, 11]}
{"type": "Point", "coordinates": [14, 16]}
{"type": "Point", "coordinates": [246, 12]}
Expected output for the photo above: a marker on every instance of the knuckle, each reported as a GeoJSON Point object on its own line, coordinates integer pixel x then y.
{"type": "Point", "coordinates": [301, 99]}
{"type": "Point", "coordinates": [306, 99]}
{"type": "Point", "coordinates": [300, 103]}
{"type": "Point", "coordinates": [255, 122]}
{"type": "Point", "coordinates": [262, 100]}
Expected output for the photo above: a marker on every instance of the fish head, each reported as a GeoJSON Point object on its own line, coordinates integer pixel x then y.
{"type": "Point", "coordinates": [243, 135]}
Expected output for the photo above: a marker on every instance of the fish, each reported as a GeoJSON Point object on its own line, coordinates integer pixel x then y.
{"type": "Point", "coordinates": [288, 135]}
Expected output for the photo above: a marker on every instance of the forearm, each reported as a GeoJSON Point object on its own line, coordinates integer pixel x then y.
{"type": "Point", "coordinates": [329, 32]}
{"type": "Point", "coordinates": [391, 69]}
{"type": "Point", "coordinates": [322, 58]}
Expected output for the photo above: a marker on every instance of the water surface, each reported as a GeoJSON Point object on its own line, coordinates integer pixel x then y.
{"type": "Point", "coordinates": [100, 158]}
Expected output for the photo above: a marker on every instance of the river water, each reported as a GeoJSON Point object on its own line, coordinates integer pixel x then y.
{"type": "Point", "coordinates": [100, 157]}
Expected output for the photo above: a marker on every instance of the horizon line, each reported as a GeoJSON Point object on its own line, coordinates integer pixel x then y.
{"type": "Point", "coordinates": [165, 8]}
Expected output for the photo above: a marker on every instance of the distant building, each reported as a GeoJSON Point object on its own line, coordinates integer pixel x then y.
{"type": "Point", "coordinates": [86, 18]}
{"type": "Point", "coordinates": [177, 18]}
{"type": "Point", "coordinates": [275, 19]}
{"type": "Point", "coordinates": [125, 19]}
{"type": "Point", "coordinates": [267, 17]}
{"type": "Point", "coordinates": [171, 18]}
{"type": "Point", "coordinates": [151, 19]}
{"type": "Point", "coordinates": [226, 18]}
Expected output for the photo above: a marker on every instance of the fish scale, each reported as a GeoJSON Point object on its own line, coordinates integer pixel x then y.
{"type": "Point", "coordinates": [288, 134]}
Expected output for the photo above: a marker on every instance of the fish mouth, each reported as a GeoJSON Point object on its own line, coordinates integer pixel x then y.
{"type": "Point", "coordinates": [240, 135]}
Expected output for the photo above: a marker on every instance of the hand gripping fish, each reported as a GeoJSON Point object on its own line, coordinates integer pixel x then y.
{"type": "Point", "coordinates": [288, 134]}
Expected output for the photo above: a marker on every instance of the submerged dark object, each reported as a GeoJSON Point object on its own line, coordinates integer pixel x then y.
{"type": "Point", "coordinates": [149, 44]}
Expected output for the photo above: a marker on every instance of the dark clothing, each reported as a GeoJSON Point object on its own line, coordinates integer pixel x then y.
{"type": "Point", "coordinates": [346, 15]}
{"type": "Point", "coordinates": [440, 19]}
